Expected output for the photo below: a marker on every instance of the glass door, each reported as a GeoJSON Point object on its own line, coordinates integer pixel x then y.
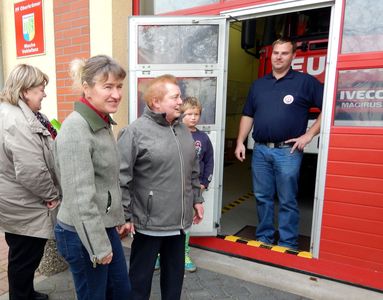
{"type": "Point", "coordinates": [194, 49]}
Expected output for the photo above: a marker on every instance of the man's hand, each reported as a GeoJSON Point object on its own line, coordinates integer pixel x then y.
{"type": "Point", "coordinates": [240, 152]}
{"type": "Point", "coordinates": [300, 142]}
{"type": "Point", "coordinates": [245, 125]}
{"type": "Point", "coordinates": [303, 140]}
{"type": "Point", "coordinates": [198, 213]}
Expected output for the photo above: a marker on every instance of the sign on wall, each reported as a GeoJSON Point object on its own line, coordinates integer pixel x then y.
{"type": "Point", "coordinates": [359, 98]}
{"type": "Point", "coordinates": [29, 28]}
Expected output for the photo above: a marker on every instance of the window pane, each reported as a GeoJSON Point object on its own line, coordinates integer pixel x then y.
{"type": "Point", "coordinates": [204, 88]}
{"type": "Point", "coordinates": [155, 7]}
{"type": "Point", "coordinates": [177, 44]}
{"type": "Point", "coordinates": [363, 26]}
{"type": "Point", "coordinates": [359, 99]}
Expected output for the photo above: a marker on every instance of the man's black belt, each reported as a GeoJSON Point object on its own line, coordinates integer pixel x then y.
{"type": "Point", "coordinates": [278, 145]}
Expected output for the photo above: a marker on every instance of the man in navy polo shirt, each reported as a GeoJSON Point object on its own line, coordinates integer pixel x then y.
{"type": "Point", "coordinates": [277, 108]}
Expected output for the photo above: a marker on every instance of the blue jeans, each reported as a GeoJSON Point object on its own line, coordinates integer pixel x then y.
{"type": "Point", "coordinates": [103, 282]}
{"type": "Point", "coordinates": [276, 171]}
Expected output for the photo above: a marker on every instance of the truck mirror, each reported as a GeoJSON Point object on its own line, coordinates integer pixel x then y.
{"type": "Point", "coordinates": [248, 34]}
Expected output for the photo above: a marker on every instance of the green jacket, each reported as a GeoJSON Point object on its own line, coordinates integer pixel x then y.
{"type": "Point", "coordinates": [88, 167]}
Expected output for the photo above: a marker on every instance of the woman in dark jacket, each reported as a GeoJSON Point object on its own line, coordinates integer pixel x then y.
{"type": "Point", "coordinates": [159, 178]}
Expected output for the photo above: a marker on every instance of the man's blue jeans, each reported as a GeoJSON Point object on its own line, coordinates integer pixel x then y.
{"type": "Point", "coordinates": [276, 171]}
{"type": "Point", "coordinates": [103, 282]}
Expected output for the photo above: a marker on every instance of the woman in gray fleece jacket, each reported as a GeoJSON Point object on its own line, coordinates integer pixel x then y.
{"type": "Point", "coordinates": [29, 189]}
{"type": "Point", "coordinates": [88, 165]}
{"type": "Point", "coordinates": [159, 178]}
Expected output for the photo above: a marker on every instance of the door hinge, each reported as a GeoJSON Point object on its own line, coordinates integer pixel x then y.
{"type": "Point", "coordinates": [208, 69]}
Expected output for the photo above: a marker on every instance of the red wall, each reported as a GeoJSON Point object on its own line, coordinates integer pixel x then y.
{"type": "Point", "coordinates": [352, 224]}
{"type": "Point", "coordinates": [72, 40]}
{"type": "Point", "coordinates": [352, 228]}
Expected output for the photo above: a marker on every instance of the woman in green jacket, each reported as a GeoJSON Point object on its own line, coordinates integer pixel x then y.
{"type": "Point", "coordinates": [88, 165]}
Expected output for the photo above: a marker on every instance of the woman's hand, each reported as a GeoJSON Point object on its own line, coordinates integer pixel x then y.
{"type": "Point", "coordinates": [52, 204]}
{"type": "Point", "coordinates": [198, 213]}
{"type": "Point", "coordinates": [106, 260]}
{"type": "Point", "coordinates": [124, 230]}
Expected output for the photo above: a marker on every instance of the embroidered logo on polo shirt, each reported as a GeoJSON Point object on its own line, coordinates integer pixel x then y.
{"type": "Point", "coordinates": [288, 99]}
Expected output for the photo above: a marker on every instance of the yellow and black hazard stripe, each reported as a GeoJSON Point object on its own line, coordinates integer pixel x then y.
{"type": "Point", "coordinates": [258, 244]}
{"type": "Point", "coordinates": [236, 202]}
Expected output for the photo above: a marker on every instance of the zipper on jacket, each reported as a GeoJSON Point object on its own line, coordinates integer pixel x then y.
{"type": "Point", "coordinates": [94, 257]}
{"type": "Point", "coordinates": [182, 173]}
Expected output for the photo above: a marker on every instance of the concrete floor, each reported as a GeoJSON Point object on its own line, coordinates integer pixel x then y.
{"type": "Point", "coordinates": [237, 182]}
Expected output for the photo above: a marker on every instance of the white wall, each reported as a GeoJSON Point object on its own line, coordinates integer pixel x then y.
{"type": "Point", "coordinates": [109, 35]}
{"type": "Point", "coordinates": [100, 15]}
{"type": "Point", "coordinates": [45, 62]}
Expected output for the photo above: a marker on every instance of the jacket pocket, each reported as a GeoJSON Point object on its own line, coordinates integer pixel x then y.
{"type": "Point", "coordinates": [109, 203]}
{"type": "Point", "coordinates": [149, 205]}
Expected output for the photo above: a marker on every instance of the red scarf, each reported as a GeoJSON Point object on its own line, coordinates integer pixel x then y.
{"type": "Point", "coordinates": [46, 124]}
{"type": "Point", "coordinates": [105, 117]}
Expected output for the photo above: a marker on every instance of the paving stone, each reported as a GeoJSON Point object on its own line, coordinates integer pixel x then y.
{"type": "Point", "coordinates": [236, 290]}
{"type": "Point", "coordinates": [267, 293]}
{"type": "Point", "coordinates": [193, 283]}
{"type": "Point", "coordinates": [217, 291]}
{"type": "Point", "coordinates": [199, 295]}
{"type": "Point", "coordinates": [3, 286]}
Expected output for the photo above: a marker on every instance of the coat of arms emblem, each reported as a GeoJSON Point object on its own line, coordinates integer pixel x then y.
{"type": "Point", "coordinates": [29, 27]}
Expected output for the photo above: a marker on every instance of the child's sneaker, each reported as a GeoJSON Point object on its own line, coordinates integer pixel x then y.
{"type": "Point", "coordinates": [157, 265]}
{"type": "Point", "coordinates": [189, 265]}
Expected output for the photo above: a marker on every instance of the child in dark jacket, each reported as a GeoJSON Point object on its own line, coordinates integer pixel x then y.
{"type": "Point", "coordinates": [191, 109]}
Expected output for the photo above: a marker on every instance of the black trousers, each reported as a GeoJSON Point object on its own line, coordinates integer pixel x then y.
{"type": "Point", "coordinates": [24, 256]}
{"type": "Point", "coordinates": [143, 257]}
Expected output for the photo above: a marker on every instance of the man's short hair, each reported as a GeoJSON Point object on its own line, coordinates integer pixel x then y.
{"type": "Point", "coordinates": [283, 40]}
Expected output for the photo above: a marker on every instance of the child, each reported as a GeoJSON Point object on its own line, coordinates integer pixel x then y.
{"type": "Point", "coordinates": [191, 109]}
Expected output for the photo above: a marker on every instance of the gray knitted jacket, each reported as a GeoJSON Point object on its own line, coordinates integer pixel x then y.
{"type": "Point", "coordinates": [88, 166]}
